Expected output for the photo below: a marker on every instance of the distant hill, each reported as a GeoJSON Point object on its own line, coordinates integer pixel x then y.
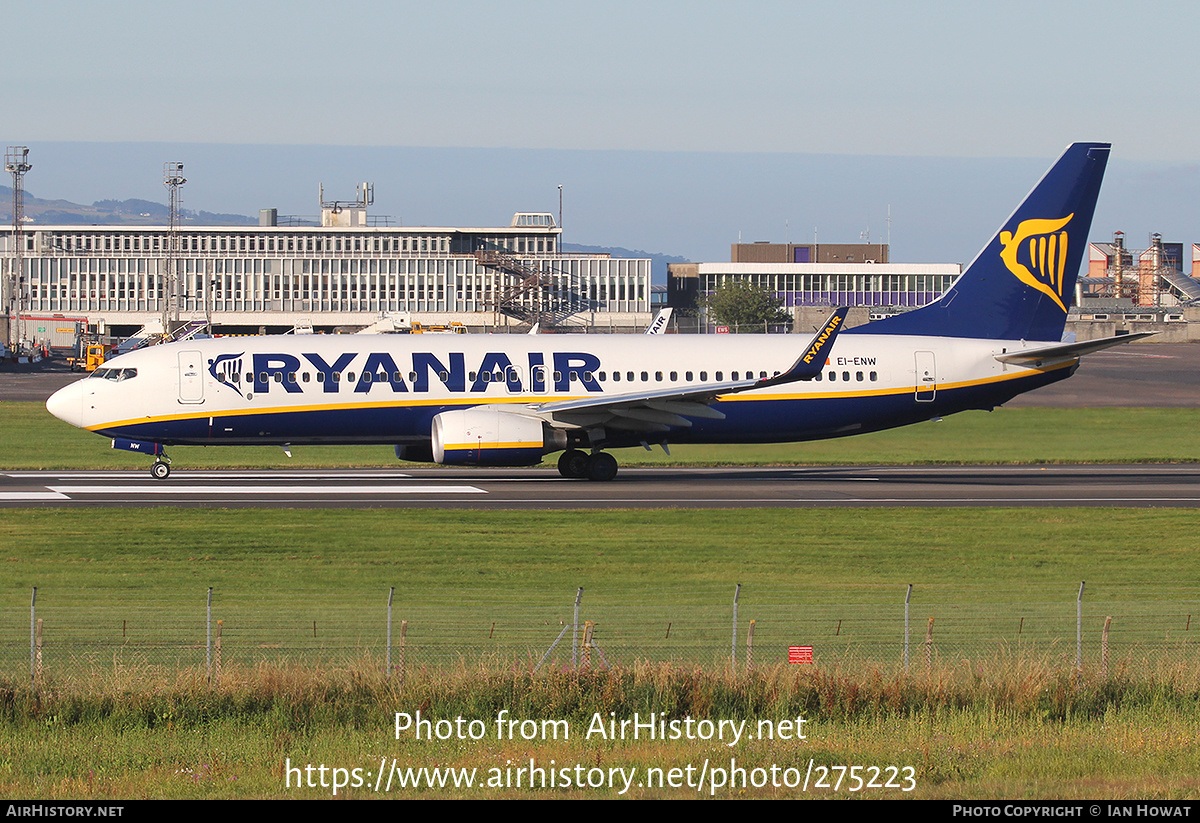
{"type": "Point", "coordinates": [132, 212]}
{"type": "Point", "coordinates": [135, 212]}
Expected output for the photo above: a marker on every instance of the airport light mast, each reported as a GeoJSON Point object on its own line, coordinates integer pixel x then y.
{"type": "Point", "coordinates": [173, 179]}
{"type": "Point", "coordinates": [16, 163]}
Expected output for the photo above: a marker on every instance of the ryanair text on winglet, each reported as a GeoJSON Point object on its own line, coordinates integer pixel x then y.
{"type": "Point", "coordinates": [819, 343]}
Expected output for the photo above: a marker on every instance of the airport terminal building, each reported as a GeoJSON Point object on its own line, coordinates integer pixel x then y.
{"type": "Point", "coordinates": [857, 275]}
{"type": "Point", "coordinates": [341, 273]}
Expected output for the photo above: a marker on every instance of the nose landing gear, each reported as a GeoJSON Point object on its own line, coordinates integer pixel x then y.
{"type": "Point", "coordinates": [161, 469]}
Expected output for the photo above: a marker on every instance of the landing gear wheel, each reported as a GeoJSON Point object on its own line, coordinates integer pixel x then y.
{"type": "Point", "coordinates": [573, 464]}
{"type": "Point", "coordinates": [601, 467]}
{"type": "Point", "coordinates": [160, 470]}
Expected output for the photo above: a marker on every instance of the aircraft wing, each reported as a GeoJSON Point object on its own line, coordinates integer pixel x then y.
{"type": "Point", "coordinates": [1067, 350]}
{"type": "Point", "coordinates": [661, 409]}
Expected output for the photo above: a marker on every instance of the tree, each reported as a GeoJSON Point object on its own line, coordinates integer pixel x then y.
{"type": "Point", "coordinates": [742, 304]}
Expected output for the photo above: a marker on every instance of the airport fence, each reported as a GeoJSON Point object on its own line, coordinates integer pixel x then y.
{"type": "Point", "coordinates": [55, 635]}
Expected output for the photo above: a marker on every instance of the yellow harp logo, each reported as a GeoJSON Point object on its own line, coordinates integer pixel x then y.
{"type": "Point", "coordinates": [1045, 260]}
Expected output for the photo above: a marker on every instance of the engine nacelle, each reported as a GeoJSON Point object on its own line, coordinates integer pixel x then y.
{"type": "Point", "coordinates": [418, 453]}
{"type": "Point", "coordinates": [488, 437]}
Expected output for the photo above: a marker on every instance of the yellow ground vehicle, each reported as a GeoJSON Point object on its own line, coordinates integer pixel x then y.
{"type": "Point", "coordinates": [89, 357]}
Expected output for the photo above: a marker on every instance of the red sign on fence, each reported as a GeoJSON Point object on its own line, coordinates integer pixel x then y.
{"type": "Point", "coordinates": [722, 330]}
{"type": "Point", "coordinates": [800, 654]}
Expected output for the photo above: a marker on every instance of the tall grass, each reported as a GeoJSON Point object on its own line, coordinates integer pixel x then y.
{"type": "Point", "coordinates": [306, 697]}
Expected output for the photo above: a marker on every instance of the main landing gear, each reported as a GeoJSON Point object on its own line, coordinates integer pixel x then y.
{"type": "Point", "coordinates": [576, 464]}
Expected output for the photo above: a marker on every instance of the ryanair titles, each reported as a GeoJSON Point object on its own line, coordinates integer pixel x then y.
{"type": "Point", "coordinates": [360, 373]}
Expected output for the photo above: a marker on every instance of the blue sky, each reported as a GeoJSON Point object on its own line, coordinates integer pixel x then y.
{"type": "Point", "coordinates": [704, 119]}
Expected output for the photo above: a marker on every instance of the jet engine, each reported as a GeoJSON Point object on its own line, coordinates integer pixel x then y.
{"type": "Point", "coordinates": [490, 437]}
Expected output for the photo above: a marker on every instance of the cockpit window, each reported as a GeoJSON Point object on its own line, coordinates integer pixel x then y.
{"type": "Point", "coordinates": [116, 375]}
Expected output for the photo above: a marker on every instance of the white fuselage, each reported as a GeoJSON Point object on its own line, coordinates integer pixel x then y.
{"type": "Point", "coordinates": [387, 388]}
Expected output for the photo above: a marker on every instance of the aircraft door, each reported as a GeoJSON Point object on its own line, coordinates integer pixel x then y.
{"type": "Point", "coordinates": [926, 383]}
{"type": "Point", "coordinates": [191, 377]}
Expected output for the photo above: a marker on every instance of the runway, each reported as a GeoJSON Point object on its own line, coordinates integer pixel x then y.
{"type": "Point", "coordinates": [540, 489]}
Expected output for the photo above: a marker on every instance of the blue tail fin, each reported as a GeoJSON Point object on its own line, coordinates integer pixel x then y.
{"type": "Point", "coordinates": [1022, 283]}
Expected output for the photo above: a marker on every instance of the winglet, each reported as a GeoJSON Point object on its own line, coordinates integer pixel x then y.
{"type": "Point", "coordinates": [809, 364]}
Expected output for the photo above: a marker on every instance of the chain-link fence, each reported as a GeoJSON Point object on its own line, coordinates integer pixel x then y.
{"type": "Point", "coordinates": [61, 633]}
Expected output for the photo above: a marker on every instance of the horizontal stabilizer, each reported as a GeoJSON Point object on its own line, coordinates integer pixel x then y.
{"type": "Point", "coordinates": [1065, 350]}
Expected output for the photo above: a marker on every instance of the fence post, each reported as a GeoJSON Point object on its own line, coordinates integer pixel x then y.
{"type": "Point", "coordinates": [1079, 629]}
{"type": "Point", "coordinates": [733, 649]}
{"type": "Point", "coordinates": [387, 669]}
{"type": "Point", "coordinates": [33, 638]}
{"type": "Point", "coordinates": [575, 631]}
{"type": "Point", "coordinates": [38, 668]}
{"type": "Point", "coordinates": [208, 637]}
{"type": "Point", "coordinates": [588, 628]}
{"type": "Point", "coordinates": [907, 598]}
{"type": "Point", "coordinates": [1104, 648]}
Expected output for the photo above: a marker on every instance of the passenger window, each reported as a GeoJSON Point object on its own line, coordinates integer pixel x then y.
{"type": "Point", "coordinates": [720, 375]}
{"type": "Point", "coordinates": [629, 376]}
{"type": "Point", "coordinates": [658, 376]}
{"type": "Point", "coordinates": [703, 376]}
{"type": "Point", "coordinates": [616, 377]}
{"type": "Point", "coordinates": [874, 377]}
{"type": "Point", "coordinates": [846, 376]}
{"type": "Point", "coordinates": [645, 376]}
{"type": "Point", "coordinates": [733, 376]}
{"type": "Point", "coordinates": [858, 376]}
{"type": "Point", "coordinates": [687, 376]}
{"type": "Point", "coordinates": [833, 377]}
{"type": "Point", "coordinates": [674, 376]}
{"type": "Point", "coordinates": [304, 377]}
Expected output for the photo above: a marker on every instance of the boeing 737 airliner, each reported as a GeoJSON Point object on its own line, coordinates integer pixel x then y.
{"type": "Point", "coordinates": [510, 400]}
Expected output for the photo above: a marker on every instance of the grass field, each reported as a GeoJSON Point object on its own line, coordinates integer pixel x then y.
{"type": "Point", "coordinates": [125, 708]}
{"type": "Point", "coordinates": [987, 719]}
{"type": "Point", "coordinates": [33, 439]}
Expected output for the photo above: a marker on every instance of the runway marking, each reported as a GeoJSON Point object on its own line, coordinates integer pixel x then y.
{"type": "Point", "coordinates": [226, 491]}
{"type": "Point", "coordinates": [33, 496]}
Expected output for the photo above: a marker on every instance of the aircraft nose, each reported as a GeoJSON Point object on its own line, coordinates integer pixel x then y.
{"type": "Point", "coordinates": [67, 404]}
